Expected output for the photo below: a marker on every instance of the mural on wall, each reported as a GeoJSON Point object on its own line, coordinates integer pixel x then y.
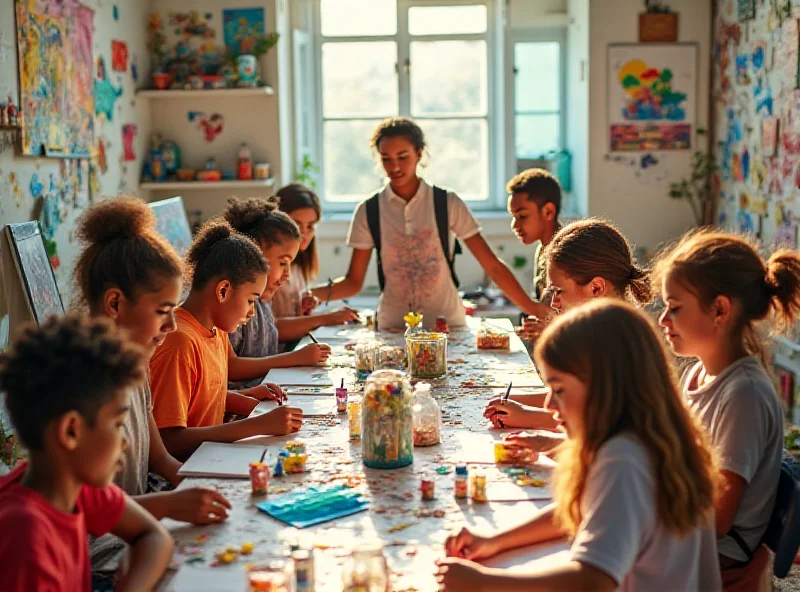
{"type": "Point", "coordinates": [757, 130]}
{"type": "Point", "coordinates": [55, 75]}
{"type": "Point", "coordinates": [242, 27]}
{"type": "Point", "coordinates": [652, 96]}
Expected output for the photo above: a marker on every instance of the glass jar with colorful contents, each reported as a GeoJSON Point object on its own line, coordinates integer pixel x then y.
{"type": "Point", "coordinates": [366, 570]}
{"type": "Point", "coordinates": [427, 355]}
{"type": "Point", "coordinates": [365, 352]}
{"type": "Point", "coordinates": [387, 421]}
{"type": "Point", "coordinates": [389, 357]}
{"type": "Point", "coordinates": [427, 417]}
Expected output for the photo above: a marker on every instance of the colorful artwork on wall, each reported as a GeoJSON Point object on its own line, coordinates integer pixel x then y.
{"type": "Point", "coordinates": [652, 96]}
{"type": "Point", "coordinates": [55, 73]}
{"type": "Point", "coordinates": [119, 56]}
{"type": "Point", "coordinates": [242, 27]}
{"type": "Point", "coordinates": [211, 125]}
{"type": "Point", "coordinates": [128, 137]}
{"type": "Point", "coordinates": [769, 137]}
{"type": "Point", "coordinates": [747, 10]}
{"type": "Point", "coordinates": [172, 223]}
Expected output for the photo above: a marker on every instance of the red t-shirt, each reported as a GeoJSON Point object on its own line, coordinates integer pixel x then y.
{"type": "Point", "coordinates": [42, 549]}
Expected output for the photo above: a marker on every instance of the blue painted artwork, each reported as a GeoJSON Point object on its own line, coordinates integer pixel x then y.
{"type": "Point", "coordinates": [105, 95]}
{"type": "Point", "coordinates": [315, 505]}
{"type": "Point", "coordinates": [763, 96]}
{"type": "Point", "coordinates": [36, 186]}
{"type": "Point", "coordinates": [242, 28]}
{"type": "Point", "coordinates": [758, 58]}
{"type": "Point", "coordinates": [746, 163]}
{"type": "Point", "coordinates": [172, 224]}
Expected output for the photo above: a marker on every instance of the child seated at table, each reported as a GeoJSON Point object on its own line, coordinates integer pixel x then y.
{"type": "Point", "coordinates": [129, 273]}
{"type": "Point", "coordinates": [635, 481]}
{"type": "Point", "coordinates": [293, 304]}
{"type": "Point", "coordinates": [189, 372]}
{"type": "Point", "coordinates": [255, 344]}
{"type": "Point", "coordinates": [67, 386]}
{"type": "Point", "coordinates": [585, 260]}
{"type": "Point", "coordinates": [716, 290]}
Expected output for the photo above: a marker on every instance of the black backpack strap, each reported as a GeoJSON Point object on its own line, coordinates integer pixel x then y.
{"type": "Point", "coordinates": [740, 541]}
{"type": "Point", "coordinates": [443, 226]}
{"type": "Point", "coordinates": [374, 223]}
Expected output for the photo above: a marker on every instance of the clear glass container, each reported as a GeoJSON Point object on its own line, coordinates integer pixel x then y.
{"type": "Point", "coordinates": [493, 339]}
{"type": "Point", "coordinates": [427, 355]}
{"type": "Point", "coordinates": [427, 417]}
{"type": "Point", "coordinates": [354, 418]}
{"type": "Point", "coordinates": [387, 423]}
{"type": "Point", "coordinates": [276, 576]}
{"type": "Point", "coordinates": [389, 357]}
{"type": "Point", "coordinates": [366, 570]}
{"type": "Point", "coordinates": [413, 323]}
{"type": "Point", "coordinates": [364, 351]}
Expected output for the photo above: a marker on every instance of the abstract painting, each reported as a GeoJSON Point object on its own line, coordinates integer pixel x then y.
{"type": "Point", "coordinates": [242, 28]}
{"type": "Point", "coordinates": [35, 272]}
{"type": "Point", "coordinates": [172, 223]}
{"type": "Point", "coordinates": [54, 38]}
{"type": "Point", "coordinates": [652, 98]}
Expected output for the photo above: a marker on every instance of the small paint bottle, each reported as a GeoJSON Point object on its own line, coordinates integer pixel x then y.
{"type": "Point", "coordinates": [303, 569]}
{"type": "Point", "coordinates": [341, 400]}
{"type": "Point", "coordinates": [259, 477]}
{"type": "Point", "coordinates": [354, 419]}
{"type": "Point", "coordinates": [462, 482]}
{"type": "Point", "coordinates": [441, 324]}
{"type": "Point", "coordinates": [478, 483]}
{"type": "Point", "coordinates": [428, 488]}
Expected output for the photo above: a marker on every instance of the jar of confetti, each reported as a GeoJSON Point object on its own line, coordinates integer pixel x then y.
{"type": "Point", "coordinates": [427, 417]}
{"type": "Point", "coordinates": [389, 357]}
{"type": "Point", "coordinates": [354, 419]}
{"type": "Point", "coordinates": [365, 350]}
{"type": "Point", "coordinates": [387, 421]}
{"type": "Point", "coordinates": [427, 355]}
{"type": "Point", "coordinates": [366, 570]}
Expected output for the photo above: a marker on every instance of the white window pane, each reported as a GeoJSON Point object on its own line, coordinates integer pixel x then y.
{"type": "Point", "coordinates": [352, 18]}
{"type": "Point", "coordinates": [537, 134]}
{"type": "Point", "coordinates": [537, 81]}
{"type": "Point", "coordinates": [446, 20]}
{"type": "Point", "coordinates": [458, 156]}
{"type": "Point", "coordinates": [351, 172]}
{"type": "Point", "coordinates": [448, 77]}
{"type": "Point", "coordinates": [359, 79]}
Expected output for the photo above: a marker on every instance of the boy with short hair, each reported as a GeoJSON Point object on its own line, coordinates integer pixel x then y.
{"type": "Point", "coordinates": [534, 202]}
{"type": "Point", "coordinates": [66, 386]}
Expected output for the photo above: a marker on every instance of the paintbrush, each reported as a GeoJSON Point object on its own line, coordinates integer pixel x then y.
{"type": "Point", "coordinates": [312, 338]}
{"type": "Point", "coordinates": [264, 455]}
{"type": "Point", "coordinates": [508, 392]}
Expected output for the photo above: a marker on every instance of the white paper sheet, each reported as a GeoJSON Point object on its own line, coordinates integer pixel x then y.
{"type": "Point", "coordinates": [215, 459]}
{"type": "Point", "coordinates": [311, 405]}
{"type": "Point", "coordinates": [191, 578]}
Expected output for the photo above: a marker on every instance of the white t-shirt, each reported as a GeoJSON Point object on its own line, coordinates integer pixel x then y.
{"type": "Point", "coordinates": [416, 271]}
{"type": "Point", "coordinates": [744, 419]}
{"type": "Point", "coordinates": [620, 535]}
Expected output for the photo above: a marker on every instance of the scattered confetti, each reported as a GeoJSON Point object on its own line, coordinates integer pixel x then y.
{"type": "Point", "coordinates": [401, 526]}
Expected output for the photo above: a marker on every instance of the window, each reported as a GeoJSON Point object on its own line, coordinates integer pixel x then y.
{"type": "Point", "coordinates": [425, 59]}
{"type": "Point", "coordinates": [536, 123]}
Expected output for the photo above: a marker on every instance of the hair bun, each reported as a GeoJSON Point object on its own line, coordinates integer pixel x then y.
{"type": "Point", "coordinates": [637, 272]}
{"type": "Point", "coordinates": [210, 235]}
{"type": "Point", "coordinates": [245, 213]}
{"type": "Point", "coordinates": [114, 219]}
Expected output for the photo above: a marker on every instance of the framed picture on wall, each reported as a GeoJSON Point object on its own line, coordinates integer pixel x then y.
{"type": "Point", "coordinates": [652, 96]}
{"type": "Point", "coordinates": [35, 271]}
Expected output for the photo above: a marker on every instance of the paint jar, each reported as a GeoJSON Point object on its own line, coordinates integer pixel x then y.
{"type": "Point", "coordinates": [354, 419]}
{"type": "Point", "coordinates": [427, 417]}
{"type": "Point", "coordinates": [428, 488]}
{"type": "Point", "coordinates": [261, 170]}
{"type": "Point", "coordinates": [387, 423]}
{"type": "Point", "coordinates": [515, 455]}
{"type": "Point", "coordinates": [247, 67]}
{"type": "Point", "coordinates": [276, 576]}
{"type": "Point", "coordinates": [259, 477]}
{"type": "Point", "coordinates": [303, 569]}
{"type": "Point", "coordinates": [244, 163]}
{"type": "Point", "coordinates": [462, 482]}
{"type": "Point", "coordinates": [427, 355]}
{"type": "Point", "coordinates": [295, 457]}
{"type": "Point", "coordinates": [366, 570]}
{"type": "Point", "coordinates": [364, 352]}
{"type": "Point", "coordinates": [491, 339]}
{"type": "Point", "coordinates": [478, 487]}
{"type": "Point", "coordinates": [389, 357]}
{"type": "Point", "coordinates": [341, 400]}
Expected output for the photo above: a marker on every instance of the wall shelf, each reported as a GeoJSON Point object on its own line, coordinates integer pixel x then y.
{"type": "Point", "coordinates": [203, 185]}
{"type": "Point", "coordinates": [259, 91]}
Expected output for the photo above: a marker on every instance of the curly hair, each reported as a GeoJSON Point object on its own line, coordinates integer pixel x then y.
{"type": "Point", "coordinates": [709, 263]}
{"type": "Point", "coordinates": [67, 364]}
{"type": "Point", "coordinates": [261, 220]}
{"type": "Point", "coordinates": [615, 351]}
{"type": "Point", "coordinates": [592, 248]}
{"type": "Point", "coordinates": [542, 187]}
{"type": "Point", "coordinates": [397, 127]}
{"type": "Point", "coordinates": [122, 249]}
{"type": "Point", "coordinates": [219, 252]}
{"type": "Point", "coordinates": [296, 196]}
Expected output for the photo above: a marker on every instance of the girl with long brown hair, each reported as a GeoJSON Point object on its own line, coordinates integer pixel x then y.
{"type": "Point", "coordinates": [635, 481]}
{"type": "Point", "coordinates": [717, 290]}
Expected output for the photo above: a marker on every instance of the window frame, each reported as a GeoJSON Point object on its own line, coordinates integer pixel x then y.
{"type": "Point", "coordinates": [543, 35]}
{"type": "Point", "coordinates": [403, 40]}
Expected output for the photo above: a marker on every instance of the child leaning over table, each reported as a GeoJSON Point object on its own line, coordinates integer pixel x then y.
{"type": "Point", "coordinates": [641, 516]}
{"type": "Point", "coordinates": [67, 386]}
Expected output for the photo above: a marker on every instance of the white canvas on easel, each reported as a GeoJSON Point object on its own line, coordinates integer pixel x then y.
{"type": "Point", "coordinates": [215, 459]}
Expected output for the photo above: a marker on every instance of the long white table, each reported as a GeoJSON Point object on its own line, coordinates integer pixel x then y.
{"type": "Point", "coordinates": [411, 529]}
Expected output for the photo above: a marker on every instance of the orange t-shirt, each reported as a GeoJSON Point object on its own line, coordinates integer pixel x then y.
{"type": "Point", "coordinates": [189, 376]}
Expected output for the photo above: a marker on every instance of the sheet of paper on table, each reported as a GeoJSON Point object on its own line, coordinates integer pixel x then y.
{"type": "Point", "coordinates": [352, 332]}
{"type": "Point", "coordinates": [215, 459]}
{"type": "Point", "coordinates": [191, 578]}
{"type": "Point", "coordinates": [308, 376]}
{"type": "Point", "coordinates": [532, 558]}
{"type": "Point", "coordinates": [310, 405]}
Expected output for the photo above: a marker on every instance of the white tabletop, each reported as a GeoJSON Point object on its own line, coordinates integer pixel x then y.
{"type": "Point", "coordinates": [412, 530]}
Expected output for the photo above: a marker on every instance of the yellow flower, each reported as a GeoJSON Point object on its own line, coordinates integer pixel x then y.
{"type": "Point", "coordinates": [413, 319]}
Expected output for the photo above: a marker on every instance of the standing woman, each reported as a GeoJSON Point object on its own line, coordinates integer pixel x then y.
{"type": "Point", "coordinates": [413, 227]}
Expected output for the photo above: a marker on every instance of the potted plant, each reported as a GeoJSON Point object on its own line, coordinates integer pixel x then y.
{"type": "Point", "coordinates": [244, 61]}
{"type": "Point", "coordinates": [157, 44]}
{"type": "Point", "coordinates": [658, 23]}
{"type": "Point", "coordinates": [698, 189]}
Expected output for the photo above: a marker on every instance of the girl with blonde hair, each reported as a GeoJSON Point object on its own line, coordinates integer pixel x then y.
{"type": "Point", "coordinates": [635, 482]}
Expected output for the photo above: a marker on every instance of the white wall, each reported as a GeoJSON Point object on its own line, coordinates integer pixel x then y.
{"type": "Point", "coordinates": [121, 177]}
{"type": "Point", "coordinates": [637, 200]}
{"type": "Point", "coordinates": [578, 102]}
{"type": "Point", "coordinates": [526, 14]}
